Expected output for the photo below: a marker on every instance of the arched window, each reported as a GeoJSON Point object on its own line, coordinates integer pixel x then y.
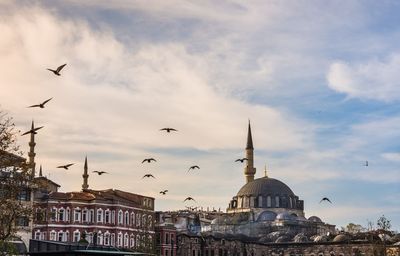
{"type": "Point", "coordinates": [77, 214]}
{"type": "Point", "coordinates": [119, 241]}
{"type": "Point", "coordinates": [37, 235]}
{"type": "Point", "coordinates": [99, 238]}
{"type": "Point", "coordinates": [260, 201]}
{"type": "Point", "coordinates": [138, 220]}
{"type": "Point", "coordinates": [276, 201]}
{"type": "Point", "coordinates": [269, 201]}
{"type": "Point", "coordinates": [53, 235]}
{"type": "Point", "coordinates": [67, 236]}
{"type": "Point", "coordinates": [132, 241]}
{"type": "Point", "coordinates": [126, 218]}
{"type": "Point", "coordinates": [107, 238]}
{"type": "Point", "coordinates": [126, 240]}
{"type": "Point", "coordinates": [144, 220]}
{"type": "Point", "coordinates": [132, 218]}
{"type": "Point", "coordinates": [77, 236]}
{"type": "Point", "coordinates": [100, 215]}
{"type": "Point", "coordinates": [61, 214]}
{"type": "Point", "coordinates": [112, 239]}
{"type": "Point", "coordinates": [120, 217]}
{"type": "Point", "coordinates": [68, 214]}
{"type": "Point", "coordinates": [85, 216]}
{"type": "Point", "coordinates": [91, 219]}
{"type": "Point", "coordinates": [107, 217]}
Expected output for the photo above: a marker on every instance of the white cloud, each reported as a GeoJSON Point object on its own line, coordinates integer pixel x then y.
{"type": "Point", "coordinates": [374, 79]}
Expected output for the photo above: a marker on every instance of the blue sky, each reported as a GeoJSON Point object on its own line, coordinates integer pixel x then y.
{"type": "Point", "coordinates": [318, 80]}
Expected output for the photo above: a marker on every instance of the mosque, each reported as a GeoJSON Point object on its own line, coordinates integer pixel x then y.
{"type": "Point", "coordinates": [267, 209]}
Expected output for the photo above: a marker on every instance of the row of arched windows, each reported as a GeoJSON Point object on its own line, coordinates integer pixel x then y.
{"type": "Point", "coordinates": [277, 201]}
{"type": "Point", "coordinates": [103, 216]}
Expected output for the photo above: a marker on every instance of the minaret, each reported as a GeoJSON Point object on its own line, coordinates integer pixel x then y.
{"type": "Point", "coordinates": [32, 153]}
{"type": "Point", "coordinates": [249, 170]}
{"type": "Point", "coordinates": [40, 171]}
{"type": "Point", "coordinates": [85, 176]}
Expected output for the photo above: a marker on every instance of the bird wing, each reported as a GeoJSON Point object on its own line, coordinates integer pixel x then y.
{"type": "Point", "coordinates": [96, 171]}
{"type": "Point", "coordinates": [61, 166]}
{"type": "Point", "coordinates": [327, 199]}
{"type": "Point", "coordinates": [25, 133]}
{"type": "Point", "coordinates": [61, 67]}
{"type": "Point", "coordinates": [33, 106]}
{"type": "Point", "coordinates": [196, 166]}
{"type": "Point", "coordinates": [52, 70]}
{"type": "Point", "coordinates": [144, 160]}
{"type": "Point", "coordinates": [172, 129]}
{"type": "Point", "coordinates": [152, 159]}
{"type": "Point", "coordinates": [68, 165]}
{"type": "Point", "coordinates": [44, 102]}
{"type": "Point", "coordinates": [238, 160]}
{"type": "Point", "coordinates": [37, 128]}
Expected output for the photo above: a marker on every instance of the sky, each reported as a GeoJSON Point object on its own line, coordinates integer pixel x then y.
{"type": "Point", "coordinates": [318, 80]}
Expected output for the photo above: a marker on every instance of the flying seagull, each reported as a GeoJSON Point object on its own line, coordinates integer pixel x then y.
{"type": "Point", "coordinates": [148, 176]}
{"type": "Point", "coordinates": [189, 198]}
{"type": "Point", "coordinates": [168, 129]}
{"type": "Point", "coordinates": [193, 167]}
{"type": "Point", "coordinates": [366, 163]}
{"type": "Point", "coordinates": [100, 172]}
{"type": "Point", "coordinates": [65, 166]}
{"type": "Point", "coordinates": [325, 199]}
{"type": "Point", "coordinates": [41, 105]}
{"type": "Point", "coordinates": [164, 192]}
{"type": "Point", "coordinates": [32, 130]}
{"type": "Point", "coordinates": [149, 160]}
{"type": "Point", "coordinates": [57, 71]}
{"type": "Point", "coordinates": [241, 160]}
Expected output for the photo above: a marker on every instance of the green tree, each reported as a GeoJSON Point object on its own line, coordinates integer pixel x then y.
{"type": "Point", "coordinates": [354, 228]}
{"type": "Point", "coordinates": [383, 223]}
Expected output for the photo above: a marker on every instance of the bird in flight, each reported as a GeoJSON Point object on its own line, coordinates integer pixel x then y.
{"type": "Point", "coordinates": [325, 199]}
{"type": "Point", "coordinates": [32, 130]}
{"type": "Point", "coordinates": [41, 105]}
{"type": "Point", "coordinates": [366, 163]}
{"type": "Point", "coordinates": [57, 71]}
{"type": "Point", "coordinates": [148, 176]}
{"type": "Point", "coordinates": [241, 159]}
{"type": "Point", "coordinates": [164, 192]}
{"type": "Point", "coordinates": [65, 166]}
{"type": "Point", "coordinates": [189, 198]}
{"type": "Point", "coordinates": [100, 172]}
{"type": "Point", "coordinates": [149, 160]}
{"type": "Point", "coordinates": [168, 129]}
{"type": "Point", "coordinates": [193, 167]}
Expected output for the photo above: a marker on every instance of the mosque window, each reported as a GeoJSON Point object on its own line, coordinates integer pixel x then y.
{"type": "Point", "coordinates": [276, 201]}
{"type": "Point", "coordinates": [252, 201]}
{"type": "Point", "coordinates": [290, 202]}
{"type": "Point", "coordinates": [268, 201]}
{"type": "Point", "coordinates": [260, 201]}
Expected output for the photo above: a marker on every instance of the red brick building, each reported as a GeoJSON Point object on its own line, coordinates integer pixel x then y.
{"type": "Point", "coordinates": [108, 217]}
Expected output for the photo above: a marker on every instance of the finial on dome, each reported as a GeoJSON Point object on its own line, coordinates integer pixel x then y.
{"type": "Point", "coordinates": [265, 171]}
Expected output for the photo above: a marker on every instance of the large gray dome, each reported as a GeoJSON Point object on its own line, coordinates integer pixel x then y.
{"type": "Point", "coordinates": [265, 186]}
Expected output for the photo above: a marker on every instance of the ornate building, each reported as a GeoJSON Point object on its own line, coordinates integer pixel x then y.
{"type": "Point", "coordinates": [108, 217]}
{"type": "Point", "coordinates": [267, 209]}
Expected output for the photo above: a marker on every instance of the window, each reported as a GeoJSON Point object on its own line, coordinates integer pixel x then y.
{"type": "Point", "coordinates": [99, 238]}
{"type": "Point", "coordinates": [22, 221]}
{"type": "Point", "coordinates": [77, 236]}
{"type": "Point", "coordinates": [112, 239]}
{"type": "Point", "coordinates": [60, 236]}
{"type": "Point", "coordinates": [149, 221]}
{"type": "Point", "coordinates": [91, 218]}
{"type": "Point", "coordinates": [99, 215]}
{"type": "Point", "coordinates": [120, 219]}
{"type": "Point", "coordinates": [126, 240]}
{"type": "Point", "coordinates": [53, 235]}
{"type": "Point", "coordinates": [144, 220]}
{"type": "Point", "coordinates": [119, 242]}
{"type": "Point", "coordinates": [77, 215]}
{"type": "Point", "coordinates": [172, 238]}
{"type": "Point", "coordinates": [276, 201]}
{"type": "Point", "coordinates": [260, 201]}
{"type": "Point", "coordinates": [66, 236]}
{"type": "Point", "coordinates": [53, 214]}
{"type": "Point", "coordinates": [268, 201]}
{"type": "Point", "coordinates": [85, 215]}
{"type": "Point", "coordinates": [107, 217]}
{"type": "Point", "coordinates": [67, 214]}
{"type": "Point", "coordinates": [24, 195]}
{"type": "Point", "coordinates": [137, 219]}
{"type": "Point", "coordinates": [107, 238]}
{"type": "Point", "coordinates": [113, 217]}
{"type": "Point", "coordinates": [132, 218]}
{"type": "Point", "coordinates": [126, 218]}
{"type": "Point", "coordinates": [166, 238]}
{"type": "Point", "coordinates": [61, 214]}
{"type": "Point", "coordinates": [132, 240]}
{"type": "Point", "coordinates": [37, 235]}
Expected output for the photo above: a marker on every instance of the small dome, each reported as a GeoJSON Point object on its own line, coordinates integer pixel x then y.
{"type": "Point", "coordinates": [266, 216]}
{"type": "Point", "coordinates": [341, 238]}
{"type": "Point", "coordinates": [320, 239]}
{"type": "Point", "coordinates": [314, 219]}
{"type": "Point", "coordinates": [300, 238]}
{"type": "Point", "coordinates": [284, 216]}
{"type": "Point", "coordinates": [265, 186]}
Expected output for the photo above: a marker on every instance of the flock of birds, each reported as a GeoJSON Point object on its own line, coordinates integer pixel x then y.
{"type": "Point", "coordinates": [34, 130]}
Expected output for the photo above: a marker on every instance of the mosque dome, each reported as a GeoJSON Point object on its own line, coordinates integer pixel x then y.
{"type": "Point", "coordinates": [265, 186]}
{"type": "Point", "coordinates": [314, 219]}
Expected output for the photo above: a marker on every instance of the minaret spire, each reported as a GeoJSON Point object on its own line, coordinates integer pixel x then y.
{"type": "Point", "coordinates": [249, 170]}
{"type": "Point", "coordinates": [40, 171]}
{"type": "Point", "coordinates": [85, 176]}
{"type": "Point", "coordinates": [32, 153]}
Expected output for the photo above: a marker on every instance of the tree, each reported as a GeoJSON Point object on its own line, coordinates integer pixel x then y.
{"type": "Point", "coordinates": [15, 182]}
{"type": "Point", "coordinates": [354, 228]}
{"type": "Point", "coordinates": [383, 223]}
